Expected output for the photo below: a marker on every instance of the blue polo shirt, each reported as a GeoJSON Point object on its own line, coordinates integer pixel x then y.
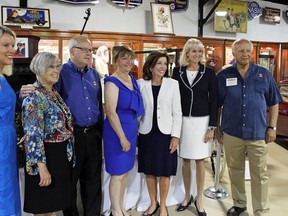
{"type": "Point", "coordinates": [245, 101]}
{"type": "Point", "coordinates": [82, 93]}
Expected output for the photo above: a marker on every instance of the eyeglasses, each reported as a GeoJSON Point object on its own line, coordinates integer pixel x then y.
{"type": "Point", "coordinates": [84, 49]}
{"type": "Point", "coordinates": [57, 67]}
{"type": "Point", "coordinates": [242, 51]}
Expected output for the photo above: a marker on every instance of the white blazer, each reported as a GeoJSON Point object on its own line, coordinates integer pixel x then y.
{"type": "Point", "coordinates": [169, 113]}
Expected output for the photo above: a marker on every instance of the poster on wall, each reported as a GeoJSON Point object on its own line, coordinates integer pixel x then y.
{"type": "Point", "coordinates": [34, 17]}
{"type": "Point", "coordinates": [21, 47]}
{"type": "Point", "coordinates": [175, 5]}
{"type": "Point", "coordinates": [161, 18]}
{"type": "Point", "coordinates": [231, 16]}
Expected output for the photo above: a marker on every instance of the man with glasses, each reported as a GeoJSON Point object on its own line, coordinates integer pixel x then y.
{"type": "Point", "coordinates": [245, 90]}
{"type": "Point", "coordinates": [79, 86]}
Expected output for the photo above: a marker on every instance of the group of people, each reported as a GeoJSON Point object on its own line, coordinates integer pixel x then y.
{"type": "Point", "coordinates": [165, 117]}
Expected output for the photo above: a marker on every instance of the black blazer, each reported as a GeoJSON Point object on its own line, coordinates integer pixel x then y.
{"type": "Point", "coordinates": [200, 98]}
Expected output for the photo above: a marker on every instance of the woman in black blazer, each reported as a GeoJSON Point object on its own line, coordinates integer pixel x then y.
{"type": "Point", "coordinates": [198, 90]}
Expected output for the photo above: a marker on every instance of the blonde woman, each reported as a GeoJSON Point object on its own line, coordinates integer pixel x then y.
{"type": "Point", "coordinates": [9, 185]}
{"type": "Point", "coordinates": [198, 90]}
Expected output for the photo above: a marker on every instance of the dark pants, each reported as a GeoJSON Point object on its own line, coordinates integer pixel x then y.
{"type": "Point", "coordinates": [88, 150]}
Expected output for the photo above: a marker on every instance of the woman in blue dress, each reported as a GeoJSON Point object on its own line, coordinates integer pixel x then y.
{"type": "Point", "coordinates": [123, 104]}
{"type": "Point", "coordinates": [9, 184]}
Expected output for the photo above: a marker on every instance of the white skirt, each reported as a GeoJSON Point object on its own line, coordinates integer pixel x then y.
{"type": "Point", "coordinates": [192, 144]}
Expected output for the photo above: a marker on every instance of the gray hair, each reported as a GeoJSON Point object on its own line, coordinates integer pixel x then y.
{"type": "Point", "coordinates": [235, 43]}
{"type": "Point", "coordinates": [190, 44]}
{"type": "Point", "coordinates": [42, 61]}
{"type": "Point", "coordinates": [75, 41]}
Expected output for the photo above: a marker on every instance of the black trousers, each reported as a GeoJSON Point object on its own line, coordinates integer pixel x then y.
{"type": "Point", "coordinates": [88, 150]}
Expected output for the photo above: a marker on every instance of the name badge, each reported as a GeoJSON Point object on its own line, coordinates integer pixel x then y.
{"type": "Point", "coordinates": [231, 81]}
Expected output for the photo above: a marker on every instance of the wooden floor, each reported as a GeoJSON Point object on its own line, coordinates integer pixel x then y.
{"type": "Point", "coordinates": [278, 189]}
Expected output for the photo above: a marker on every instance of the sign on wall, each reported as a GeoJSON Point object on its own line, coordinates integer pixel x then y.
{"type": "Point", "coordinates": [24, 17]}
{"type": "Point", "coordinates": [175, 5]}
{"type": "Point", "coordinates": [254, 10]}
{"type": "Point", "coordinates": [271, 15]}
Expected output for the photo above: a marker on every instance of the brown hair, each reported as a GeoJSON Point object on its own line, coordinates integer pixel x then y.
{"type": "Point", "coordinates": [151, 61]}
{"type": "Point", "coordinates": [119, 52]}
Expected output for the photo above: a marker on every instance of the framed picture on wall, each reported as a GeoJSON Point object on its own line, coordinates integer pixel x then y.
{"type": "Point", "coordinates": [231, 16]}
{"type": "Point", "coordinates": [161, 19]}
{"type": "Point", "coordinates": [25, 17]}
{"type": "Point", "coordinates": [21, 47]}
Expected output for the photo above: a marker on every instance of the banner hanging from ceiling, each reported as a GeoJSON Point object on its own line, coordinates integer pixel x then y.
{"type": "Point", "coordinates": [175, 5]}
{"type": "Point", "coordinates": [127, 3]}
{"type": "Point", "coordinates": [81, 1]}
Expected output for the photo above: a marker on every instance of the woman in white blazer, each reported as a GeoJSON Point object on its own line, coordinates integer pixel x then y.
{"type": "Point", "coordinates": [159, 129]}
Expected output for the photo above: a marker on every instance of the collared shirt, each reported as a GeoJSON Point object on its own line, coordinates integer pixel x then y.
{"type": "Point", "coordinates": [245, 101]}
{"type": "Point", "coordinates": [45, 118]}
{"type": "Point", "coordinates": [81, 91]}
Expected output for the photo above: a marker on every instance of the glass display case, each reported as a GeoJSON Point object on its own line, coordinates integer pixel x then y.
{"type": "Point", "coordinates": [284, 62]}
{"type": "Point", "coordinates": [173, 50]}
{"type": "Point", "coordinates": [268, 55]}
{"type": "Point", "coordinates": [267, 59]}
{"type": "Point", "coordinates": [49, 45]}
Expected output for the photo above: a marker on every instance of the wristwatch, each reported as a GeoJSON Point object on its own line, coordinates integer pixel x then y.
{"type": "Point", "coordinates": [273, 128]}
{"type": "Point", "coordinates": [212, 128]}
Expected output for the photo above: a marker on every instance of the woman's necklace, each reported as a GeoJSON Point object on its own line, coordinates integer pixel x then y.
{"type": "Point", "coordinates": [156, 82]}
{"type": "Point", "coordinates": [123, 77]}
{"type": "Point", "coordinates": [193, 67]}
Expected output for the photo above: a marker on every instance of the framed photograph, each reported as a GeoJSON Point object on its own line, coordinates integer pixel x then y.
{"type": "Point", "coordinates": [161, 18]}
{"type": "Point", "coordinates": [21, 47]}
{"type": "Point", "coordinates": [231, 16]}
{"type": "Point", "coordinates": [25, 17]}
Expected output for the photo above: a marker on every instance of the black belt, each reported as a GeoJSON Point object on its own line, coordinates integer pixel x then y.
{"type": "Point", "coordinates": [84, 129]}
